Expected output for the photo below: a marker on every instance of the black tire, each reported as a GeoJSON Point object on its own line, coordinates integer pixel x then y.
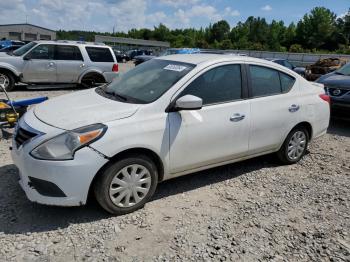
{"type": "Point", "coordinates": [104, 181]}
{"type": "Point", "coordinates": [283, 155]}
{"type": "Point", "coordinates": [9, 80]}
{"type": "Point", "coordinates": [92, 80]}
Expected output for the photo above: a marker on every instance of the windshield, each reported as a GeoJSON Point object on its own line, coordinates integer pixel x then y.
{"type": "Point", "coordinates": [149, 80]}
{"type": "Point", "coordinates": [24, 49]}
{"type": "Point", "coordinates": [345, 70]}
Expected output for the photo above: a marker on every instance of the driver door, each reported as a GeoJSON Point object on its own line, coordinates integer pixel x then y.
{"type": "Point", "coordinates": [219, 131]}
{"type": "Point", "coordinates": [40, 66]}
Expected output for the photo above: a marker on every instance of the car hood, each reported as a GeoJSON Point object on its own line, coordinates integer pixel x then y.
{"type": "Point", "coordinates": [3, 54]}
{"type": "Point", "coordinates": [335, 80]}
{"type": "Point", "coordinates": [82, 108]}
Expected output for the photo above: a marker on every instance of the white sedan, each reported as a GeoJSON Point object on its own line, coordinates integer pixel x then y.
{"type": "Point", "coordinates": [165, 118]}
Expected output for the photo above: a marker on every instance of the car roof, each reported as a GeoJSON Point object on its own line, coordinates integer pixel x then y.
{"type": "Point", "coordinates": [201, 58]}
{"type": "Point", "coordinates": [67, 42]}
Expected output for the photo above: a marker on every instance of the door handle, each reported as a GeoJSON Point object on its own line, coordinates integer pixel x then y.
{"type": "Point", "coordinates": [51, 64]}
{"type": "Point", "coordinates": [293, 108]}
{"type": "Point", "coordinates": [237, 118]}
{"type": "Point", "coordinates": [82, 65]}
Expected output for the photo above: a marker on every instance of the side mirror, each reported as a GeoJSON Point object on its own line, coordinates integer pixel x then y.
{"type": "Point", "coordinates": [188, 102]}
{"type": "Point", "coordinates": [27, 57]}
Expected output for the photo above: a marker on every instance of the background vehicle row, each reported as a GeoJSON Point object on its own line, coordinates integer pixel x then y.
{"type": "Point", "coordinates": [54, 62]}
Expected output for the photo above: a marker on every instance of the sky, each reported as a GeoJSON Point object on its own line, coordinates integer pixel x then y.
{"type": "Point", "coordinates": [103, 15]}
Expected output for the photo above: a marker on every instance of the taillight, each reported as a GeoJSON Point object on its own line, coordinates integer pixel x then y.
{"type": "Point", "coordinates": [115, 68]}
{"type": "Point", "coordinates": [325, 98]}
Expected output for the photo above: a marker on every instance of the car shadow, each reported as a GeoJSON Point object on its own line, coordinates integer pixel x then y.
{"type": "Point", "coordinates": [339, 127]}
{"type": "Point", "coordinates": [19, 216]}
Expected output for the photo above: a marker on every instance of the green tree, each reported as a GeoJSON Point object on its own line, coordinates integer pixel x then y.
{"type": "Point", "coordinates": [316, 28]}
{"type": "Point", "coordinates": [220, 31]}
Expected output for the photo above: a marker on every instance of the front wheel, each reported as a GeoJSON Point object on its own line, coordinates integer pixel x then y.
{"type": "Point", "coordinates": [126, 185]}
{"type": "Point", "coordinates": [7, 81]}
{"type": "Point", "coordinates": [294, 147]}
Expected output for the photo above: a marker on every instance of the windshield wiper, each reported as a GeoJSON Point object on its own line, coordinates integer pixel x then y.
{"type": "Point", "coordinates": [339, 73]}
{"type": "Point", "coordinates": [118, 96]}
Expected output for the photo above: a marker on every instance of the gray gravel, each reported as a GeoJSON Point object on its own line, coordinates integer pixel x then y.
{"type": "Point", "coordinates": [249, 211]}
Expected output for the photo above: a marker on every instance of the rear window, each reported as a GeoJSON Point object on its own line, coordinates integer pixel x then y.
{"type": "Point", "coordinates": [98, 54]}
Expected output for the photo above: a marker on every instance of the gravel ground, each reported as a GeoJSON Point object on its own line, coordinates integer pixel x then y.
{"type": "Point", "coordinates": [249, 211]}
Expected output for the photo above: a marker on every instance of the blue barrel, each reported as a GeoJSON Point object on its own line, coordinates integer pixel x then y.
{"type": "Point", "coordinates": [28, 102]}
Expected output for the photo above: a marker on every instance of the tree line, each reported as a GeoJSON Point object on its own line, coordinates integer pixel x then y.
{"type": "Point", "coordinates": [318, 31]}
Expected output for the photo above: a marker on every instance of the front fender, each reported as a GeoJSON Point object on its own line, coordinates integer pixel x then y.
{"type": "Point", "coordinates": [10, 68]}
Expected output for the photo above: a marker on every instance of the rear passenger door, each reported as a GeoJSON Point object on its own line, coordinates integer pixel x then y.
{"type": "Point", "coordinates": [274, 107]}
{"type": "Point", "coordinates": [70, 63]}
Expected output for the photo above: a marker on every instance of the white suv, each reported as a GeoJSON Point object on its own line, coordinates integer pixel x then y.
{"type": "Point", "coordinates": [58, 63]}
{"type": "Point", "coordinates": [165, 118]}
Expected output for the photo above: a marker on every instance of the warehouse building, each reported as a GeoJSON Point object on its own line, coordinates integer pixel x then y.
{"type": "Point", "coordinates": [26, 32]}
{"type": "Point", "coordinates": [125, 44]}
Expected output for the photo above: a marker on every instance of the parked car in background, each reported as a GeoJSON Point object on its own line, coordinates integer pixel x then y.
{"type": "Point", "coordinates": [168, 117]}
{"type": "Point", "coordinates": [337, 86]}
{"type": "Point", "coordinates": [10, 45]}
{"type": "Point", "coordinates": [131, 54]}
{"type": "Point", "coordinates": [58, 63]}
{"type": "Point", "coordinates": [322, 67]}
{"type": "Point", "coordinates": [286, 63]}
{"type": "Point", "coordinates": [9, 49]}
{"type": "Point", "coordinates": [121, 56]}
{"type": "Point", "coordinates": [171, 51]}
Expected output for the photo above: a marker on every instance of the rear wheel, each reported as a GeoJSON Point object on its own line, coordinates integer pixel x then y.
{"type": "Point", "coordinates": [7, 80]}
{"type": "Point", "coordinates": [92, 80]}
{"type": "Point", "coordinates": [295, 146]}
{"type": "Point", "coordinates": [126, 185]}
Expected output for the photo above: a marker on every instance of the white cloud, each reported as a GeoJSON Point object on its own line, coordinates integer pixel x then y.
{"type": "Point", "coordinates": [230, 12]}
{"type": "Point", "coordinates": [103, 15]}
{"type": "Point", "coordinates": [341, 16]}
{"type": "Point", "coordinates": [156, 18]}
{"type": "Point", "coordinates": [129, 14]}
{"type": "Point", "coordinates": [206, 12]}
{"type": "Point", "coordinates": [266, 8]}
{"type": "Point", "coordinates": [178, 3]}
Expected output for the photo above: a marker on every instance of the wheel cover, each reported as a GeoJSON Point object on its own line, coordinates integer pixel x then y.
{"type": "Point", "coordinates": [297, 145]}
{"type": "Point", "coordinates": [4, 80]}
{"type": "Point", "coordinates": [130, 185]}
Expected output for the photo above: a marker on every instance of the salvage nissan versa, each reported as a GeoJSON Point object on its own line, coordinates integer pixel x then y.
{"type": "Point", "coordinates": [165, 118]}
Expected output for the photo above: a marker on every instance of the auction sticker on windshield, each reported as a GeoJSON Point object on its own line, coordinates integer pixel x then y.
{"type": "Point", "coordinates": [177, 68]}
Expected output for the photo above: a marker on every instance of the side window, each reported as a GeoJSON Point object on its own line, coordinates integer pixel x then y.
{"type": "Point", "coordinates": [264, 81]}
{"type": "Point", "coordinates": [43, 52]}
{"type": "Point", "coordinates": [98, 54]}
{"type": "Point", "coordinates": [287, 82]}
{"type": "Point", "coordinates": [221, 84]}
{"type": "Point", "coordinates": [65, 52]}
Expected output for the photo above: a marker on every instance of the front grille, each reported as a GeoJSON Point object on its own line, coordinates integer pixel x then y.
{"type": "Point", "coordinates": [22, 136]}
{"type": "Point", "coordinates": [336, 92]}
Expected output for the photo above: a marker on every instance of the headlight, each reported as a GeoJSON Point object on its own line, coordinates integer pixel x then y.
{"type": "Point", "coordinates": [63, 146]}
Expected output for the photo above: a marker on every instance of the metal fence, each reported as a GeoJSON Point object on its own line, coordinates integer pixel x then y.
{"type": "Point", "coordinates": [298, 59]}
